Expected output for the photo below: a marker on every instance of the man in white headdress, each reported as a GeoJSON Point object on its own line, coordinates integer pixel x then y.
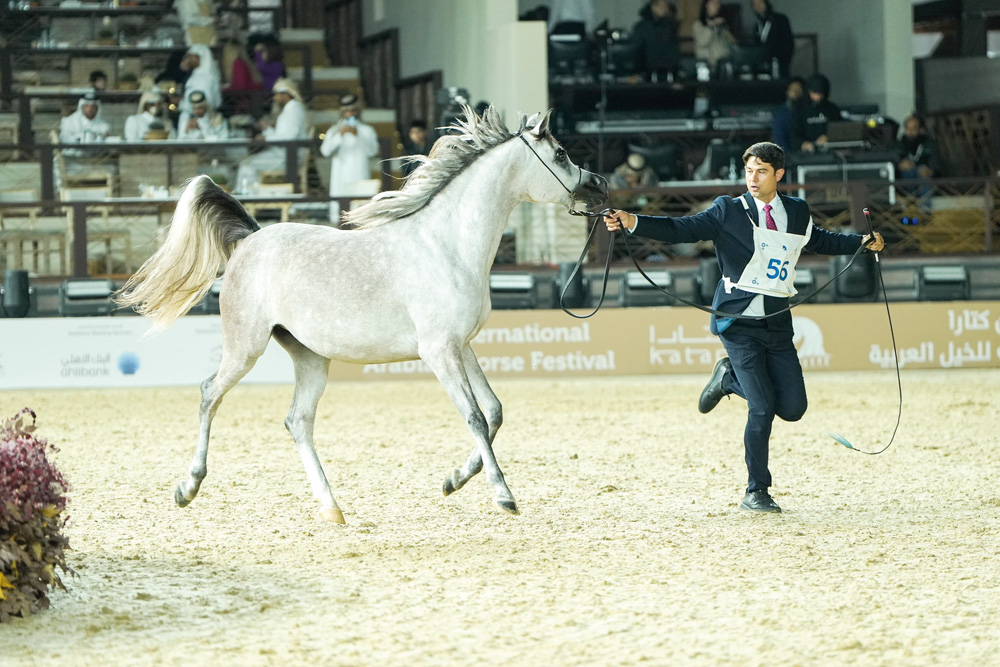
{"type": "Point", "coordinates": [83, 126]}
{"type": "Point", "coordinates": [204, 76]}
{"type": "Point", "coordinates": [203, 122]}
{"type": "Point", "coordinates": [151, 116]}
{"type": "Point", "coordinates": [289, 125]}
{"type": "Point", "coordinates": [350, 144]}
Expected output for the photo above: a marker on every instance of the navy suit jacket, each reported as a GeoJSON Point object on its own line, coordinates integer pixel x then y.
{"type": "Point", "coordinates": [727, 224]}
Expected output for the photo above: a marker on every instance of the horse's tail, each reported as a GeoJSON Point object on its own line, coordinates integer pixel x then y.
{"type": "Point", "coordinates": [207, 225]}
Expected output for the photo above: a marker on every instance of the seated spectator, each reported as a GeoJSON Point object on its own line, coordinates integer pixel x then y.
{"type": "Point", "coordinates": [809, 128]}
{"type": "Point", "coordinates": [572, 16]}
{"type": "Point", "coordinates": [918, 154]}
{"type": "Point", "coordinates": [786, 114]}
{"type": "Point", "coordinates": [203, 123]}
{"type": "Point", "coordinates": [289, 125]}
{"type": "Point", "coordinates": [151, 115]}
{"type": "Point", "coordinates": [633, 173]}
{"type": "Point", "coordinates": [774, 32]}
{"type": "Point", "coordinates": [417, 142]}
{"type": "Point", "coordinates": [98, 80]}
{"type": "Point", "coordinates": [204, 76]}
{"type": "Point", "coordinates": [712, 36]}
{"type": "Point", "coordinates": [84, 125]}
{"type": "Point", "coordinates": [655, 36]}
{"type": "Point", "coordinates": [268, 56]}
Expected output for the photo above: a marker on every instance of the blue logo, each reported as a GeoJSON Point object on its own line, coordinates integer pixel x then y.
{"type": "Point", "coordinates": [763, 245]}
{"type": "Point", "coordinates": [784, 247]}
{"type": "Point", "coordinates": [128, 363]}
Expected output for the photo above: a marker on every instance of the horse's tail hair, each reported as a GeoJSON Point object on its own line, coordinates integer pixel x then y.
{"type": "Point", "coordinates": [207, 225]}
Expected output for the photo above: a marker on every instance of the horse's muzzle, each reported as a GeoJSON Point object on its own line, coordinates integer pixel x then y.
{"type": "Point", "coordinates": [592, 191]}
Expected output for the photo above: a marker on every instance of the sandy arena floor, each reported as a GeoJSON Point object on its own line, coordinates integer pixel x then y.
{"type": "Point", "coordinates": [629, 549]}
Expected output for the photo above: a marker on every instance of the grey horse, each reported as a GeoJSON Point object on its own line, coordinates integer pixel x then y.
{"type": "Point", "coordinates": [411, 280]}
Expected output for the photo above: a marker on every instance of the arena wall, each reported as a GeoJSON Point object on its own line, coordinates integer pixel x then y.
{"type": "Point", "coordinates": [115, 352]}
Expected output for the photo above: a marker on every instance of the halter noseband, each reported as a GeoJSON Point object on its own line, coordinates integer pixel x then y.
{"type": "Point", "coordinates": [572, 193]}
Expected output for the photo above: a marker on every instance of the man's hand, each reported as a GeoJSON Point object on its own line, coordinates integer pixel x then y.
{"type": "Point", "coordinates": [192, 124]}
{"type": "Point", "coordinates": [616, 219]}
{"type": "Point", "coordinates": [347, 128]}
{"type": "Point", "coordinates": [874, 246]}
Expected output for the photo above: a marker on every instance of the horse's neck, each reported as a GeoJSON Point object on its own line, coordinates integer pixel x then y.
{"type": "Point", "coordinates": [473, 209]}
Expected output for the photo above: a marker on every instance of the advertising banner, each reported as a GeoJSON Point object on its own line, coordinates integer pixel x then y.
{"type": "Point", "coordinates": [115, 352]}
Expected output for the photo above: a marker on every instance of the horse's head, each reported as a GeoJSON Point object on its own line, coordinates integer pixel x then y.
{"type": "Point", "coordinates": [554, 177]}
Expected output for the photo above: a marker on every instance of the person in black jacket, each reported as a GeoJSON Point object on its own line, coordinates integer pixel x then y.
{"type": "Point", "coordinates": [655, 35]}
{"type": "Point", "coordinates": [809, 127]}
{"type": "Point", "coordinates": [774, 32]}
{"type": "Point", "coordinates": [758, 238]}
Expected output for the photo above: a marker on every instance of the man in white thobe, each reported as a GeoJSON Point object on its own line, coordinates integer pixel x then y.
{"type": "Point", "coordinates": [151, 116]}
{"type": "Point", "coordinates": [83, 126]}
{"type": "Point", "coordinates": [289, 125]}
{"type": "Point", "coordinates": [350, 143]}
{"type": "Point", "coordinates": [202, 123]}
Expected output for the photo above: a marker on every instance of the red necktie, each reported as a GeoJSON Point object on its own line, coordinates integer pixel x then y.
{"type": "Point", "coordinates": [768, 219]}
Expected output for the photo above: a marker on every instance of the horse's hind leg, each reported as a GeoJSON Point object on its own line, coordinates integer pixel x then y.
{"type": "Point", "coordinates": [492, 410]}
{"type": "Point", "coordinates": [234, 365]}
{"type": "Point", "coordinates": [311, 374]}
{"type": "Point", "coordinates": [448, 364]}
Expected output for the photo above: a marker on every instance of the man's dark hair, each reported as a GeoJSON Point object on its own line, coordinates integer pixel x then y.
{"type": "Point", "coordinates": [418, 123]}
{"type": "Point", "coordinates": [768, 152]}
{"type": "Point", "coordinates": [97, 74]}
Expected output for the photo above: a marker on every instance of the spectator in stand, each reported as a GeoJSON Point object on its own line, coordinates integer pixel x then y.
{"type": "Point", "coordinates": [809, 128]}
{"type": "Point", "coordinates": [204, 76]}
{"type": "Point", "coordinates": [918, 154]}
{"type": "Point", "coordinates": [787, 113]}
{"type": "Point", "coordinates": [633, 173]}
{"type": "Point", "coordinates": [84, 125]}
{"type": "Point", "coordinates": [774, 32]}
{"type": "Point", "coordinates": [572, 16]}
{"type": "Point", "coordinates": [712, 36]}
{"type": "Point", "coordinates": [98, 80]}
{"type": "Point", "coordinates": [173, 71]}
{"type": "Point", "coordinates": [417, 142]}
{"type": "Point", "coordinates": [203, 123]}
{"type": "Point", "coordinates": [268, 57]}
{"type": "Point", "coordinates": [151, 115]}
{"type": "Point", "coordinates": [656, 40]}
{"type": "Point", "coordinates": [288, 126]}
{"type": "Point", "coordinates": [350, 144]}
{"type": "Point", "coordinates": [243, 77]}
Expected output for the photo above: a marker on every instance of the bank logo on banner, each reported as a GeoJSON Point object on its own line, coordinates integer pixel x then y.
{"type": "Point", "coordinates": [128, 363]}
{"type": "Point", "coordinates": [808, 340]}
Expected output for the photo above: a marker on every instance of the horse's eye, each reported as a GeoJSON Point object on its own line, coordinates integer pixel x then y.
{"type": "Point", "coordinates": [561, 154]}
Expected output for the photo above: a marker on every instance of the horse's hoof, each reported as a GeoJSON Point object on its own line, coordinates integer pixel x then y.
{"type": "Point", "coordinates": [179, 498]}
{"type": "Point", "coordinates": [449, 483]}
{"type": "Point", "coordinates": [332, 514]}
{"type": "Point", "coordinates": [508, 506]}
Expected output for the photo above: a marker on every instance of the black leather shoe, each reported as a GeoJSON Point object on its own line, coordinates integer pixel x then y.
{"type": "Point", "coordinates": [759, 501]}
{"type": "Point", "coordinates": [713, 391]}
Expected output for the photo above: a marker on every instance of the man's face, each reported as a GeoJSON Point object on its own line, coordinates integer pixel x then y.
{"type": "Point", "coordinates": [912, 128]}
{"type": "Point", "coordinates": [281, 99]}
{"type": "Point", "coordinates": [89, 110]}
{"type": "Point", "coordinates": [199, 110]}
{"type": "Point", "coordinates": [815, 97]}
{"type": "Point", "coordinates": [191, 61]}
{"type": "Point", "coordinates": [660, 8]}
{"type": "Point", "coordinates": [349, 113]}
{"type": "Point", "coordinates": [418, 135]}
{"type": "Point", "coordinates": [794, 91]}
{"type": "Point", "coordinates": [759, 7]}
{"type": "Point", "coordinates": [762, 179]}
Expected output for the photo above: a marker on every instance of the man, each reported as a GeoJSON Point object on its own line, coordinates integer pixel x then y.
{"type": "Point", "coordinates": [773, 31]}
{"type": "Point", "coordinates": [350, 144]}
{"type": "Point", "coordinates": [918, 158]}
{"type": "Point", "coordinates": [758, 238]}
{"type": "Point", "coordinates": [98, 80]}
{"type": "Point", "coordinates": [785, 115]}
{"type": "Point", "coordinates": [150, 116]}
{"type": "Point", "coordinates": [657, 45]}
{"type": "Point", "coordinates": [83, 126]}
{"type": "Point", "coordinates": [417, 142]}
{"type": "Point", "coordinates": [809, 127]}
{"type": "Point", "coordinates": [289, 125]}
{"type": "Point", "coordinates": [203, 123]}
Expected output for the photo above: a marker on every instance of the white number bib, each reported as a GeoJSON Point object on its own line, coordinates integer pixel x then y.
{"type": "Point", "coordinates": [771, 270]}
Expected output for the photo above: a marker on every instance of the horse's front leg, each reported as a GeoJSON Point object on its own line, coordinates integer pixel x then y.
{"type": "Point", "coordinates": [493, 411]}
{"type": "Point", "coordinates": [447, 362]}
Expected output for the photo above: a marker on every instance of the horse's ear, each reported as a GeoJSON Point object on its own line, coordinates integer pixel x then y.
{"type": "Point", "coordinates": [541, 127]}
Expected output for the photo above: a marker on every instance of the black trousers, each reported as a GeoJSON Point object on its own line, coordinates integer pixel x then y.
{"type": "Point", "coordinates": [768, 375]}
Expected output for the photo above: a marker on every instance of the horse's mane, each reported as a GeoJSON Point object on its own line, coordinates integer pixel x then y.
{"type": "Point", "coordinates": [472, 135]}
